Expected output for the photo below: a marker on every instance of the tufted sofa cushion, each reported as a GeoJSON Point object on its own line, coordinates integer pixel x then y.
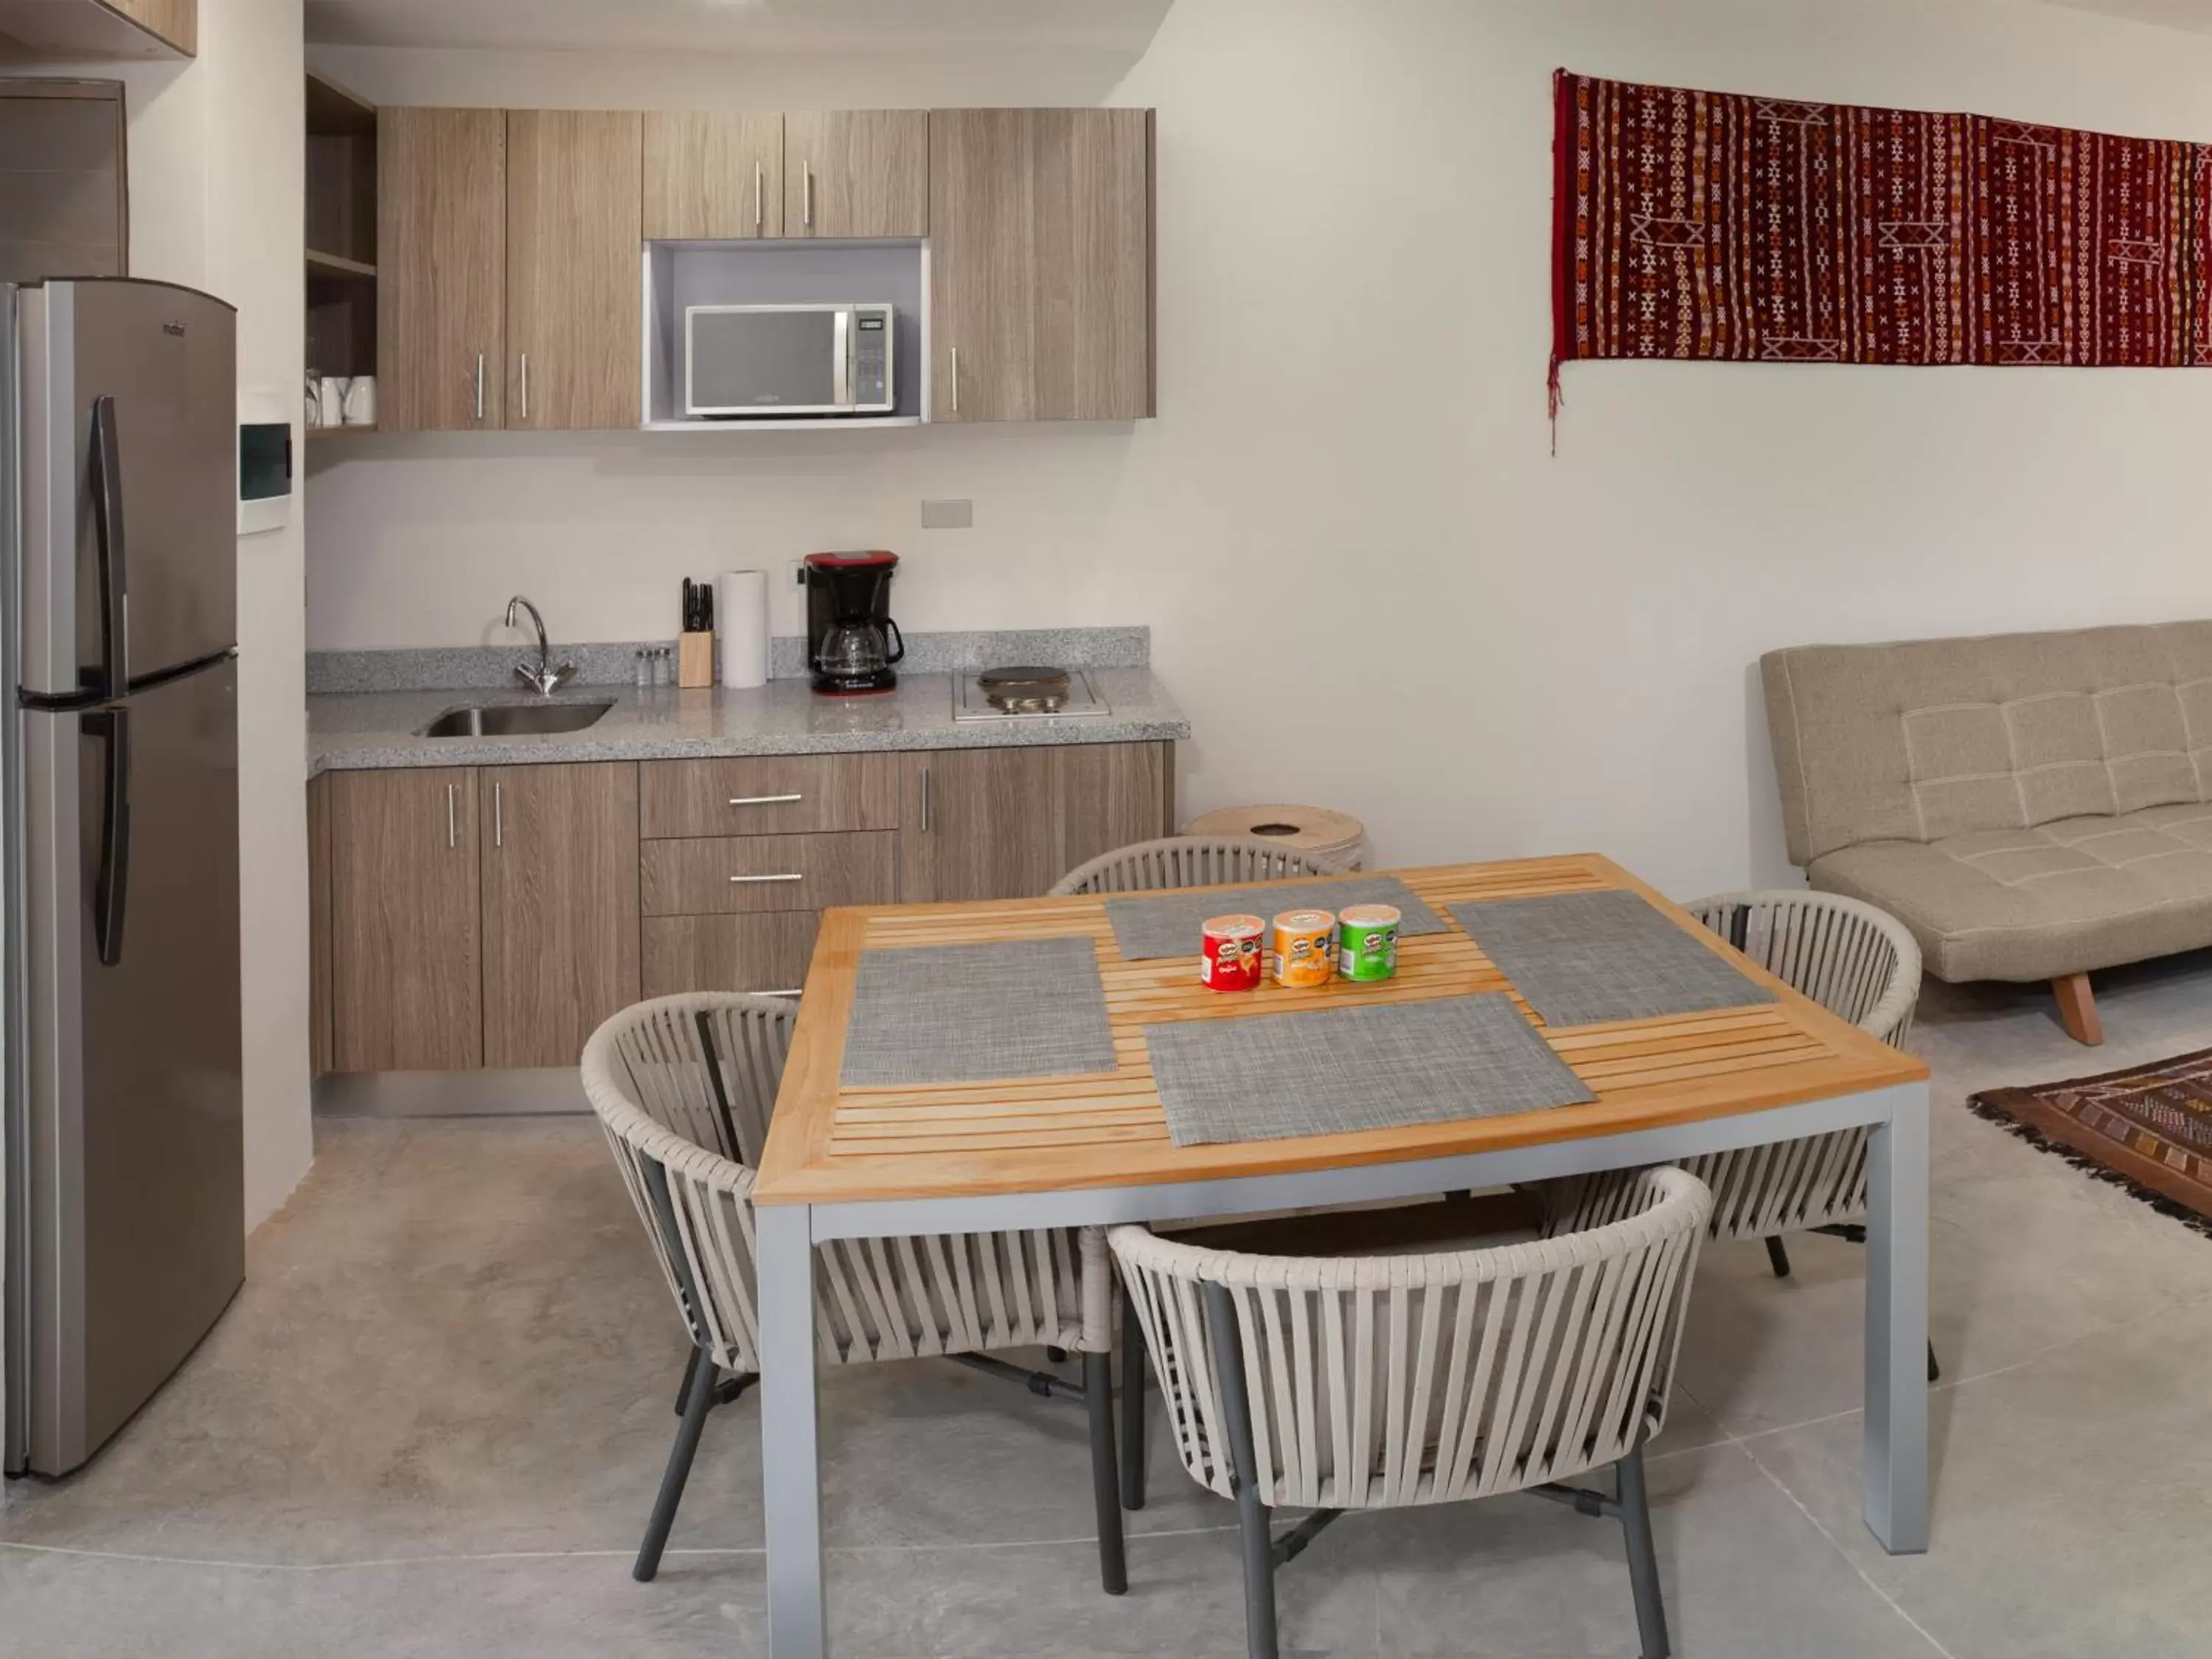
{"type": "Point", "coordinates": [1937, 737]}
{"type": "Point", "coordinates": [2030, 805]}
{"type": "Point", "coordinates": [2031, 904]}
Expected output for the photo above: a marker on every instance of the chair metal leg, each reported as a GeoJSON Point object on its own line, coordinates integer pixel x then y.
{"type": "Point", "coordinates": [1105, 1491]}
{"type": "Point", "coordinates": [697, 1403]}
{"type": "Point", "coordinates": [1132, 1406]}
{"type": "Point", "coordinates": [1778, 1257]}
{"type": "Point", "coordinates": [1252, 1516]}
{"type": "Point", "coordinates": [1643, 1558]}
{"type": "Point", "coordinates": [690, 1372]}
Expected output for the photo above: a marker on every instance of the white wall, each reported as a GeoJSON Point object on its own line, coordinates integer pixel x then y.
{"type": "Point", "coordinates": [216, 163]}
{"type": "Point", "coordinates": [1370, 583]}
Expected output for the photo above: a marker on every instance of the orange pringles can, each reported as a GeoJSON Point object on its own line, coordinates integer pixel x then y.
{"type": "Point", "coordinates": [1305, 947]}
{"type": "Point", "coordinates": [1230, 958]}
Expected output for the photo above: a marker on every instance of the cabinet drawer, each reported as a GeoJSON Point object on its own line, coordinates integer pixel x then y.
{"type": "Point", "coordinates": [769, 795]}
{"type": "Point", "coordinates": [736, 874]}
{"type": "Point", "coordinates": [728, 953]}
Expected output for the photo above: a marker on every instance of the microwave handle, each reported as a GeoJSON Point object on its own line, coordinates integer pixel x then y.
{"type": "Point", "coordinates": [841, 358]}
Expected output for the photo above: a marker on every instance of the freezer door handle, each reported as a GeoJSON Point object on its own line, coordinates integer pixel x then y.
{"type": "Point", "coordinates": [112, 727]}
{"type": "Point", "coordinates": [114, 568]}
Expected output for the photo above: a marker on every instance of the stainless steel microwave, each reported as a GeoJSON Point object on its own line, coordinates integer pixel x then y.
{"type": "Point", "coordinates": [788, 360]}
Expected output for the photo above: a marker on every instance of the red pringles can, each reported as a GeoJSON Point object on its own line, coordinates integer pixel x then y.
{"type": "Point", "coordinates": [1230, 959]}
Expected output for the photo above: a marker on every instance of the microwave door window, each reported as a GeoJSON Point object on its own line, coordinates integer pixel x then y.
{"type": "Point", "coordinates": [762, 361]}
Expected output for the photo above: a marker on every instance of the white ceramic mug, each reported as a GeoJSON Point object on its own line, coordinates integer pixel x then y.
{"type": "Point", "coordinates": [360, 401]}
{"type": "Point", "coordinates": [315, 400]}
{"type": "Point", "coordinates": [334, 397]}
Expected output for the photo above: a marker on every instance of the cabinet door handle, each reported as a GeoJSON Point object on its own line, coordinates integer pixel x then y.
{"type": "Point", "coordinates": [792, 876]}
{"type": "Point", "coordinates": [498, 818]}
{"type": "Point", "coordinates": [758, 220]}
{"type": "Point", "coordinates": [925, 800]}
{"type": "Point", "coordinates": [807, 193]}
{"type": "Point", "coordinates": [480, 357]}
{"type": "Point", "coordinates": [526, 386]}
{"type": "Point", "coordinates": [956, 400]}
{"type": "Point", "coordinates": [763, 800]}
{"type": "Point", "coordinates": [451, 832]}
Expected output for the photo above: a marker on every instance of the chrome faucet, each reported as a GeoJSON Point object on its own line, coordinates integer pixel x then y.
{"type": "Point", "coordinates": [544, 679]}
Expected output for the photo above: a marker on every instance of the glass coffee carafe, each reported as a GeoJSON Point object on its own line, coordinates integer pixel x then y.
{"type": "Point", "coordinates": [853, 650]}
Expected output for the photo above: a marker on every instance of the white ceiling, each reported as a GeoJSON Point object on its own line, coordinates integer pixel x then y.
{"type": "Point", "coordinates": [2174, 14]}
{"type": "Point", "coordinates": [778, 25]}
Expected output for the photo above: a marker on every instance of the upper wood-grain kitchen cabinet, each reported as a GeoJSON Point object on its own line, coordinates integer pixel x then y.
{"type": "Point", "coordinates": [406, 978]}
{"type": "Point", "coordinates": [64, 198]}
{"type": "Point", "coordinates": [856, 172]}
{"type": "Point", "coordinates": [103, 30]}
{"type": "Point", "coordinates": [1041, 264]}
{"type": "Point", "coordinates": [713, 175]}
{"type": "Point", "coordinates": [573, 233]}
{"type": "Point", "coordinates": [441, 223]}
{"type": "Point", "coordinates": [559, 846]}
{"type": "Point", "coordinates": [1008, 823]}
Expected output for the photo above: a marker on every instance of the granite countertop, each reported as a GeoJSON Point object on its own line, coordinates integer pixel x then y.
{"type": "Point", "coordinates": [353, 730]}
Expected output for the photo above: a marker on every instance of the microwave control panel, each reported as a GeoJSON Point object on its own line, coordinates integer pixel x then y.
{"type": "Point", "coordinates": [872, 352]}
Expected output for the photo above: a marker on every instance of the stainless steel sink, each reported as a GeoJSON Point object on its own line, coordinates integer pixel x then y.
{"type": "Point", "coordinates": [516, 719]}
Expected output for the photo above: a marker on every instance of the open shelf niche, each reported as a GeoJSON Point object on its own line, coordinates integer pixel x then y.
{"type": "Point", "coordinates": [341, 251]}
{"type": "Point", "coordinates": [678, 275]}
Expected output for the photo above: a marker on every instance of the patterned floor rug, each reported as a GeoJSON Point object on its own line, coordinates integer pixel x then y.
{"type": "Point", "coordinates": [2147, 1129]}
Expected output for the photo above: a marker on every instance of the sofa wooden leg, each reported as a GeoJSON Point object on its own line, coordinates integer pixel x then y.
{"type": "Point", "coordinates": [2077, 1009]}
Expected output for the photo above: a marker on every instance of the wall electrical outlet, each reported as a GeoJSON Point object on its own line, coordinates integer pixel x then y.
{"type": "Point", "coordinates": [948, 515]}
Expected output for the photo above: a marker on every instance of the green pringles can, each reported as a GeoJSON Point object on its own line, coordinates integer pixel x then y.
{"type": "Point", "coordinates": [1367, 942]}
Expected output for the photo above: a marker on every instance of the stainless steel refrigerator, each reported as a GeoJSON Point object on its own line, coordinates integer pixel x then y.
{"type": "Point", "coordinates": [126, 1181]}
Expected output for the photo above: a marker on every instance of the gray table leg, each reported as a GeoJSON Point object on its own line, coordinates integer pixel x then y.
{"type": "Point", "coordinates": [1897, 1326]}
{"type": "Point", "coordinates": [791, 1476]}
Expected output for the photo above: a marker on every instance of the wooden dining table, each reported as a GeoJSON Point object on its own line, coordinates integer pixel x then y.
{"type": "Point", "coordinates": [878, 1162]}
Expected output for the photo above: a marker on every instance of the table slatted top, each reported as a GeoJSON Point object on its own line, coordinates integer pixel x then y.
{"type": "Point", "coordinates": [830, 1145]}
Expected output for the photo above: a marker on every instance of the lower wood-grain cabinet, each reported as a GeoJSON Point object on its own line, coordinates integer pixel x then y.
{"type": "Point", "coordinates": [559, 852]}
{"type": "Point", "coordinates": [465, 917]}
{"type": "Point", "coordinates": [477, 917]}
{"type": "Point", "coordinates": [406, 963]}
{"type": "Point", "coordinates": [1008, 823]}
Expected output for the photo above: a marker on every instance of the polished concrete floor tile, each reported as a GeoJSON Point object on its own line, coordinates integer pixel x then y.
{"type": "Point", "coordinates": [435, 1420]}
{"type": "Point", "coordinates": [2072, 1506]}
{"type": "Point", "coordinates": [1742, 1572]}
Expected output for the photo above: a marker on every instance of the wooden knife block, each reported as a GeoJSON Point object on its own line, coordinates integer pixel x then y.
{"type": "Point", "coordinates": [695, 660]}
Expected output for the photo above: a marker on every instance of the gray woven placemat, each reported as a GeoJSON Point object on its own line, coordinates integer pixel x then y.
{"type": "Point", "coordinates": [968, 1013]}
{"type": "Point", "coordinates": [1336, 1070]}
{"type": "Point", "coordinates": [1582, 958]}
{"type": "Point", "coordinates": [1171, 924]}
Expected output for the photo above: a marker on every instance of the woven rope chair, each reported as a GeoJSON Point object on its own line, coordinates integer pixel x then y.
{"type": "Point", "coordinates": [1336, 1383]}
{"type": "Point", "coordinates": [1175, 861]}
{"type": "Point", "coordinates": [684, 1087]}
{"type": "Point", "coordinates": [1190, 861]}
{"type": "Point", "coordinates": [1860, 964]}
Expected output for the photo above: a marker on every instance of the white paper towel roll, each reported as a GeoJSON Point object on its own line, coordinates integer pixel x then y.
{"type": "Point", "coordinates": [741, 626]}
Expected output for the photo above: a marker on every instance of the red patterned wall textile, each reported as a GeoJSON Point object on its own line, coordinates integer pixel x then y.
{"type": "Point", "coordinates": [1707, 225]}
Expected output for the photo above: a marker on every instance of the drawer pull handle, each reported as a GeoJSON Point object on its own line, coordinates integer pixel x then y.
{"type": "Point", "coordinates": [793, 876]}
{"type": "Point", "coordinates": [763, 800]}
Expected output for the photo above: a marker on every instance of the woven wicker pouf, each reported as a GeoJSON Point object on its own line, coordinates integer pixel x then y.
{"type": "Point", "coordinates": [1338, 837]}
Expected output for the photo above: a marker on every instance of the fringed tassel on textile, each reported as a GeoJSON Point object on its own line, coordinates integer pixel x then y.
{"type": "Point", "coordinates": [2042, 1143]}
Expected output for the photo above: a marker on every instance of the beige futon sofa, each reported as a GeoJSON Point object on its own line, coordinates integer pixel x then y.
{"type": "Point", "coordinates": [2032, 805]}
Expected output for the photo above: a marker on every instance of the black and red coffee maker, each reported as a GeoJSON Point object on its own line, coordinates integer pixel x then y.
{"type": "Point", "coordinates": [851, 640]}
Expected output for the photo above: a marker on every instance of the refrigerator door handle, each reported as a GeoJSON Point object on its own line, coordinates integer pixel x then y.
{"type": "Point", "coordinates": [112, 727]}
{"type": "Point", "coordinates": [114, 568]}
